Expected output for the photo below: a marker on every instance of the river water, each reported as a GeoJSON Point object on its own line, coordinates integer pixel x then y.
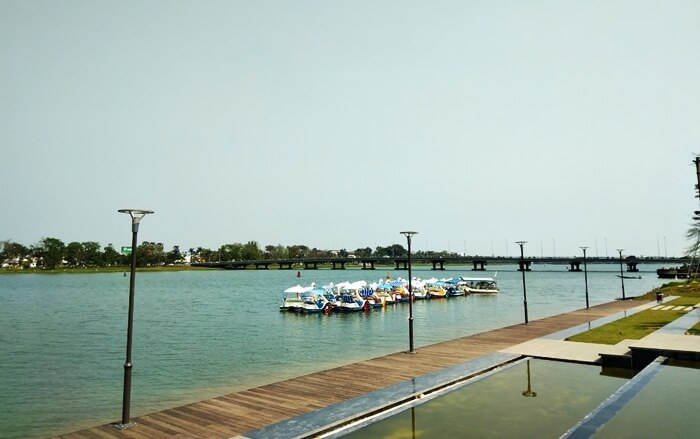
{"type": "Point", "coordinates": [201, 334]}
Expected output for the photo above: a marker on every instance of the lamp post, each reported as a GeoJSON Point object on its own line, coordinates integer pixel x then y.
{"type": "Point", "coordinates": [522, 268]}
{"type": "Point", "coordinates": [585, 273]}
{"type": "Point", "coordinates": [136, 215]}
{"type": "Point", "coordinates": [408, 236]}
{"type": "Point", "coordinates": [622, 276]}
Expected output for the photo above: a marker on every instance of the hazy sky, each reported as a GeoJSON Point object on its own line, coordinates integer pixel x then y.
{"type": "Point", "coordinates": [338, 124]}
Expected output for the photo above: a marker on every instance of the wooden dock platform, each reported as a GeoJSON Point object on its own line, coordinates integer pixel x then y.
{"type": "Point", "coordinates": [252, 409]}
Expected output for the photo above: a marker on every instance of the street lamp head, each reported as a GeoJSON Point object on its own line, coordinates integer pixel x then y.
{"type": "Point", "coordinates": [136, 215]}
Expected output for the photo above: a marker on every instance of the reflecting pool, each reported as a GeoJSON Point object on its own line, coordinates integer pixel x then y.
{"type": "Point", "coordinates": [666, 407]}
{"type": "Point", "coordinates": [533, 398]}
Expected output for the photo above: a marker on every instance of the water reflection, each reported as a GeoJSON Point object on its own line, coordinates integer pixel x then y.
{"type": "Point", "coordinates": [528, 393]}
{"type": "Point", "coordinates": [413, 422]}
{"type": "Point", "coordinates": [486, 408]}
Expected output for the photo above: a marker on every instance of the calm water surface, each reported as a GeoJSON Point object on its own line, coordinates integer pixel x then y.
{"type": "Point", "coordinates": [533, 399]}
{"type": "Point", "coordinates": [199, 335]}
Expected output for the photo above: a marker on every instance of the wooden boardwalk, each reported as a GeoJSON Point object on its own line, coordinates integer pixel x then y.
{"type": "Point", "coordinates": [251, 409]}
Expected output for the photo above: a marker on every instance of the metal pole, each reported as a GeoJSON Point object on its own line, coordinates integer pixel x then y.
{"type": "Point", "coordinates": [126, 400]}
{"type": "Point", "coordinates": [410, 300]}
{"type": "Point", "coordinates": [585, 273]}
{"type": "Point", "coordinates": [622, 278]}
{"type": "Point", "coordinates": [697, 174]}
{"type": "Point", "coordinates": [522, 268]}
{"type": "Point", "coordinates": [136, 216]}
{"type": "Point", "coordinates": [410, 294]}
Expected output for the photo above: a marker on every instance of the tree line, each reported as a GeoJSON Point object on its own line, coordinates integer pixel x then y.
{"type": "Point", "coordinates": [51, 253]}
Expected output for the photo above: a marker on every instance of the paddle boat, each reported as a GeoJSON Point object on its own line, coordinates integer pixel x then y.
{"type": "Point", "coordinates": [399, 290]}
{"type": "Point", "coordinates": [368, 294]}
{"type": "Point", "coordinates": [419, 291]}
{"type": "Point", "coordinates": [349, 299]}
{"type": "Point", "coordinates": [315, 301]}
{"type": "Point", "coordinates": [348, 302]}
{"type": "Point", "coordinates": [291, 298]}
{"type": "Point", "coordinates": [480, 285]}
{"type": "Point", "coordinates": [455, 287]}
{"type": "Point", "coordinates": [384, 293]}
{"type": "Point", "coordinates": [435, 290]}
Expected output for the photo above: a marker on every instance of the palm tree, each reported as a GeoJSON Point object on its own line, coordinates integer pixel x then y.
{"type": "Point", "coordinates": [693, 236]}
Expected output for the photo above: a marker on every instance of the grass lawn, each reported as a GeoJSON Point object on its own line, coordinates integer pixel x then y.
{"type": "Point", "coordinates": [635, 326]}
{"type": "Point", "coordinates": [695, 330]}
{"type": "Point", "coordinates": [677, 288]}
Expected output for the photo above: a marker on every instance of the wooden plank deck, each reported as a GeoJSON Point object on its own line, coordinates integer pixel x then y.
{"type": "Point", "coordinates": [251, 409]}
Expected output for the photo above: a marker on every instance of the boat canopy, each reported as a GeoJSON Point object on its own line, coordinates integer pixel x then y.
{"type": "Point", "coordinates": [478, 279]}
{"type": "Point", "coordinates": [297, 289]}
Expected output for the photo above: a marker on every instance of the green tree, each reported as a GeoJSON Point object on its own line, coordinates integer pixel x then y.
{"type": "Point", "coordinates": [298, 251]}
{"type": "Point", "coordinates": [363, 252]}
{"type": "Point", "coordinates": [75, 254]}
{"type": "Point", "coordinates": [49, 251]}
{"type": "Point", "coordinates": [13, 251]}
{"type": "Point", "coordinates": [250, 251]}
{"type": "Point", "coordinates": [206, 254]}
{"type": "Point", "coordinates": [93, 254]}
{"type": "Point", "coordinates": [150, 254]}
{"type": "Point", "coordinates": [111, 257]}
{"type": "Point", "coordinates": [173, 255]}
{"type": "Point", "coordinates": [231, 252]}
{"type": "Point", "coordinates": [393, 251]}
{"type": "Point", "coordinates": [275, 252]}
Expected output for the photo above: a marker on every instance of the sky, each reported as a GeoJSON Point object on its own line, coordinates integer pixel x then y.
{"type": "Point", "coordinates": [339, 124]}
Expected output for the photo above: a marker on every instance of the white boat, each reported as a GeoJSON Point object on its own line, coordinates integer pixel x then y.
{"type": "Point", "coordinates": [399, 290]}
{"type": "Point", "coordinates": [349, 302]}
{"type": "Point", "coordinates": [314, 301]}
{"type": "Point", "coordinates": [480, 285]}
{"type": "Point", "coordinates": [435, 289]}
{"type": "Point", "coordinates": [419, 291]}
{"type": "Point", "coordinates": [368, 294]}
{"type": "Point", "coordinates": [349, 298]}
{"type": "Point", "coordinates": [291, 298]}
{"type": "Point", "coordinates": [383, 292]}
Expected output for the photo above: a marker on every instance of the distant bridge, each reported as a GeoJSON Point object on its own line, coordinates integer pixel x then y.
{"type": "Point", "coordinates": [478, 263]}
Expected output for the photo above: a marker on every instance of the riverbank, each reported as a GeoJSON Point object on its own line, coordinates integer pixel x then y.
{"type": "Point", "coordinates": [116, 269]}
{"type": "Point", "coordinates": [237, 413]}
{"type": "Point", "coordinates": [67, 334]}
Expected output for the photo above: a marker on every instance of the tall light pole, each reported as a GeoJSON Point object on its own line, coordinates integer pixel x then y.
{"type": "Point", "coordinates": [136, 215]}
{"type": "Point", "coordinates": [585, 273]}
{"type": "Point", "coordinates": [522, 268]}
{"type": "Point", "coordinates": [408, 236]}
{"type": "Point", "coordinates": [622, 276]}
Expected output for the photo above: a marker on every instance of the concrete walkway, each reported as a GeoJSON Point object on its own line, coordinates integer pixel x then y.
{"type": "Point", "coordinates": [670, 338]}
